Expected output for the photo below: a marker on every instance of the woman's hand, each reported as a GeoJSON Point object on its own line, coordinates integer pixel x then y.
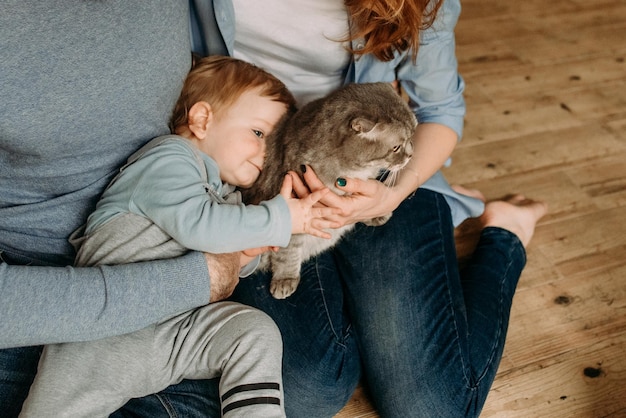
{"type": "Point", "coordinates": [365, 199]}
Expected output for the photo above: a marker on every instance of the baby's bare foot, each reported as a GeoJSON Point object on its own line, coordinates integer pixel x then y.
{"type": "Point", "coordinates": [516, 214]}
{"type": "Point", "coordinates": [468, 192]}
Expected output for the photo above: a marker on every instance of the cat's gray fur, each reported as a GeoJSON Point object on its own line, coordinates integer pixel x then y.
{"type": "Point", "coordinates": [356, 131]}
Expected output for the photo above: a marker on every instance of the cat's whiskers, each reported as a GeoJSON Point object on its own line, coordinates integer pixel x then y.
{"type": "Point", "coordinates": [391, 179]}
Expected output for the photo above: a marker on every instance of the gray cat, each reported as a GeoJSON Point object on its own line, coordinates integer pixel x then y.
{"type": "Point", "coordinates": [357, 131]}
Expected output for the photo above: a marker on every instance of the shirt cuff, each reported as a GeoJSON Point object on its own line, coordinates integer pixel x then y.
{"type": "Point", "coordinates": [249, 268]}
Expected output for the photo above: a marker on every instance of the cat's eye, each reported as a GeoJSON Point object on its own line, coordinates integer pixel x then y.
{"type": "Point", "coordinates": [258, 133]}
{"type": "Point", "coordinates": [397, 148]}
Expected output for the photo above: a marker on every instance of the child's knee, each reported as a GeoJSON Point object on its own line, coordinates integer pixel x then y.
{"type": "Point", "coordinates": [245, 326]}
{"type": "Point", "coordinates": [259, 325]}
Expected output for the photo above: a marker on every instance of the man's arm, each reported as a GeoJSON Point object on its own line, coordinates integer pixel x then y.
{"type": "Point", "coordinates": [41, 305]}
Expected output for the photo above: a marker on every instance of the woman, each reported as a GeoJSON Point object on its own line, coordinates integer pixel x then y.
{"type": "Point", "coordinates": [429, 339]}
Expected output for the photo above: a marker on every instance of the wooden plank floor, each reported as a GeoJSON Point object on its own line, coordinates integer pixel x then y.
{"type": "Point", "coordinates": [546, 97]}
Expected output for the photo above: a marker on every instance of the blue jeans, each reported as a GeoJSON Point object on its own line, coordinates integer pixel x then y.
{"type": "Point", "coordinates": [389, 303]}
{"type": "Point", "coordinates": [431, 337]}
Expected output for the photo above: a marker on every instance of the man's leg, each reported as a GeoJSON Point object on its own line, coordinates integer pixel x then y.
{"type": "Point", "coordinates": [17, 371]}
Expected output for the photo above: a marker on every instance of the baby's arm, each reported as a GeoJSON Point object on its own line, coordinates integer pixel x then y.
{"type": "Point", "coordinates": [167, 189]}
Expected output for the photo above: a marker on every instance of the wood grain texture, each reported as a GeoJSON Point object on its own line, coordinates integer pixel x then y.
{"type": "Point", "coordinates": [546, 99]}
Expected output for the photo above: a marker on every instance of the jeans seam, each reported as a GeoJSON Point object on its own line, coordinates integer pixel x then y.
{"type": "Point", "coordinates": [450, 304]}
{"type": "Point", "coordinates": [338, 338]}
{"type": "Point", "coordinates": [167, 405]}
{"type": "Point", "coordinates": [500, 321]}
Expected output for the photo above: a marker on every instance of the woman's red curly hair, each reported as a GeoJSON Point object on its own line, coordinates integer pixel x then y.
{"type": "Point", "coordinates": [390, 25]}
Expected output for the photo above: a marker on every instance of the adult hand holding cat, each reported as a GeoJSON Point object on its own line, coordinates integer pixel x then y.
{"type": "Point", "coordinates": [308, 217]}
{"type": "Point", "coordinates": [364, 199]}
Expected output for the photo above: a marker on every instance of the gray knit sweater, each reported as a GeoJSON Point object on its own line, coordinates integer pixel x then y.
{"type": "Point", "coordinates": [83, 85]}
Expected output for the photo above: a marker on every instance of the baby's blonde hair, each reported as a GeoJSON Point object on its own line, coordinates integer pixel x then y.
{"type": "Point", "coordinates": [219, 81]}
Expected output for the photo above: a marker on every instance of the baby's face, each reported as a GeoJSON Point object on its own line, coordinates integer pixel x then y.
{"type": "Point", "coordinates": [237, 137]}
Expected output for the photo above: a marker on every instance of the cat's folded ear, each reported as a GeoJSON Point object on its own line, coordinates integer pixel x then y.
{"type": "Point", "coordinates": [362, 125]}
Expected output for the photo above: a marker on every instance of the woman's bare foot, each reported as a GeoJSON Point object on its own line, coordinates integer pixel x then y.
{"type": "Point", "coordinates": [475, 193]}
{"type": "Point", "coordinates": [516, 214]}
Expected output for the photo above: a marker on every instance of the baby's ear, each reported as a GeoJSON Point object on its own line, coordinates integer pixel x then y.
{"type": "Point", "coordinates": [199, 118]}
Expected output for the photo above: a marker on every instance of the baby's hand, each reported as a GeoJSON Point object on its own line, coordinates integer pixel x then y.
{"type": "Point", "coordinates": [306, 216]}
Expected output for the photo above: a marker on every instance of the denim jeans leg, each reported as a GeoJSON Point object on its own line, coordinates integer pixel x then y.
{"type": "Point", "coordinates": [489, 281]}
{"type": "Point", "coordinates": [430, 347]}
{"type": "Point", "coordinates": [189, 398]}
{"type": "Point", "coordinates": [17, 371]}
{"type": "Point", "coordinates": [321, 364]}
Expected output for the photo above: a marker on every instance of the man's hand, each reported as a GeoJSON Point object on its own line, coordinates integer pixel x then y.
{"type": "Point", "coordinates": [223, 273]}
{"type": "Point", "coordinates": [224, 270]}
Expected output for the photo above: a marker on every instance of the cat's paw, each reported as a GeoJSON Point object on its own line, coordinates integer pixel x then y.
{"type": "Point", "coordinates": [381, 220]}
{"type": "Point", "coordinates": [283, 288]}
